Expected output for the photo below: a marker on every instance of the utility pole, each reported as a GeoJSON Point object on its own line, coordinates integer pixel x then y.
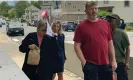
{"type": "Point", "coordinates": [50, 15]}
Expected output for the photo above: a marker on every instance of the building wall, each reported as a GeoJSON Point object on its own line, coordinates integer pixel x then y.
{"type": "Point", "coordinates": [124, 12]}
{"type": "Point", "coordinates": [119, 8]}
{"type": "Point", "coordinates": [73, 17]}
{"type": "Point", "coordinates": [33, 14]}
{"type": "Point", "coordinates": [68, 7]}
{"type": "Point", "coordinates": [72, 10]}
{"type": "Point", "coordinates": [49, 6]}
{"type": "Point", "coordinates": [47, 3]}
{"type": "Point", "coordinates": [73, 6]}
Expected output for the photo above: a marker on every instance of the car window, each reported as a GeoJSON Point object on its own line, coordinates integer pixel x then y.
{"type": "Point", "coordinates": [71, 22]}
{"type": "Point", "coordinates": [15, 24]}
{"type": "Point", "coordinates": [71, 26]}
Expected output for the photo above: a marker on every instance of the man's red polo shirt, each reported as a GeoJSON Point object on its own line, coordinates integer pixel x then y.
{"type": "Point", "coordinates": [94, 38]}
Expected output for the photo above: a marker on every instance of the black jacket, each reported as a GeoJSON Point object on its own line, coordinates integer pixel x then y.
{"type": "Point", "coordinates": [29, 70]}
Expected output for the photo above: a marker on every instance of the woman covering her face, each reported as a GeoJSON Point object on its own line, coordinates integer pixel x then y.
{"type": "Point", "coordinates": [32, 40]}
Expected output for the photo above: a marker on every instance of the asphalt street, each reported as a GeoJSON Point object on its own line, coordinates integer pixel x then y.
{"type": "Point", "coordinates": [27, 29]}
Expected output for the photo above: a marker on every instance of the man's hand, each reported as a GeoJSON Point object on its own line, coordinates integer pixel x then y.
{"type": "Point", "coordinates": [83, 63]}
{"type": "Point", "coordinates": [127, 66]}
{"type": "Point", "coordinates": [77, 48]}
{"type": "Point", "coordinates": [114, 65]}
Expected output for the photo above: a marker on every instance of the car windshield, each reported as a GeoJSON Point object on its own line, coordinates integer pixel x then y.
{"type": "Point", "coordinates": [15, 24]}
{"type": "Point", "coordinates": [71, 25]}
{"type": "Point", "coordinates": [71, 22]}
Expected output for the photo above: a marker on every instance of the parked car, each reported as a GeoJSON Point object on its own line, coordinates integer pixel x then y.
{"type": "Point", "coordinates": [33, 23]}
{"type": "Point", "coordinates": [69, 26]}
{"type": "Point", "coordinates": [3, 21]}
{"type": "Point", "coordinates": [64, 24]}
{"type": "Point", "coordinates": [0, 24]}
{"type": "Point", "coordinates": [15, 28]}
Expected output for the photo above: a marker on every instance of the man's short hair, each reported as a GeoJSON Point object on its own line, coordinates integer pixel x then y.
{"type": "Point", "coordinates": [90, 3]}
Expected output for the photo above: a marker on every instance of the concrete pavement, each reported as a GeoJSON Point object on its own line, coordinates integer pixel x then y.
{"type": "Point", "coordinates": [8, 68]}
{"type": "Point", "coordinates": [72, 64]}
{"type": "Point", "coordinates": [12, 49]}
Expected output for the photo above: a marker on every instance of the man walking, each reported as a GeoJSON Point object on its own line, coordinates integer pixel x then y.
{"type": "Point", "coordinates": [122, 47]}
{"type": "Point", "coordinates": [92, 43]}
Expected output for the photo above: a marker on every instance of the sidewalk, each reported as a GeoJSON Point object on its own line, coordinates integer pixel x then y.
{"type": "Point", "coordinates": [11, 48]}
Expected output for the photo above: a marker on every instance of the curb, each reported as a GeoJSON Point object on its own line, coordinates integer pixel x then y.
{"type": "Point", "coordinates": [4, 38]}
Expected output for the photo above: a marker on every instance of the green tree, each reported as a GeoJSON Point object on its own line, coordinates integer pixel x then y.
{"type": "Point", "coordinates": [12, 13]}
{"type": "Point", "coordinates": [36, 4]}
{"type": "Point", "coordinates": [103, 13]}
{"type": "Point", "coordinates": [4, 7]}
{"type": "Point", "coordinates": [20, 8]}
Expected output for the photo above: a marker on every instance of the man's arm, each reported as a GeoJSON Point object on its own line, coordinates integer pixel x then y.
{"type": "Point", "coordinates": [112, 54]}
{"type": "Point", "coordinates": [79, 52]}
{"type": "Point", "coordinates": [127, 58]}
{"type": "Point", "coordinates": [127, 55]}
{"type": "Point", "coordinates": [126, 44]}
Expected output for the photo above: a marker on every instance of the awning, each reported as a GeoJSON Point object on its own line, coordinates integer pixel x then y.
{"type": "Point", "coordinates": [106, 7]}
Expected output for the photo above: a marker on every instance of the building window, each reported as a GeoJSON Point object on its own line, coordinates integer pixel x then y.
{"type": "Point", "coordinates": [32, 11]}
{"type": "Point", "coordinates": [45, 2]}
{"type": "Point", "coordinates": [36, 11]}
{"type": "Point", "coordinates": [27, 11]}
{"type": "Point", "coordinates": [36, 16]}
{"type": "Point", "coordinates": [32, 17]}
{"type": "Point", "coordinates": [126, 3]}
{"type": "Point", "coordinates": [74, 6]}
{"type": "Point", "coordinates": [110, 10]}
{"type": "Point", "coordinates": [106, 2]}
{"type": "Point", "coordinates": [27, 17]}
{"type": "Point", "coordinates": [69, 3]}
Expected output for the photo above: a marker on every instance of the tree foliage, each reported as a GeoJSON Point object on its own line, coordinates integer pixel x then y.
{"type": "Point", "coordinates": [103, 13]}
{"type": "Point", "coordinates": [11, 13]}
{"type": "Point", "coordinates": [36, 4]}
{"type": "Point", "coordinates": [4, 7]}
{"type": "Point", "coordinates": [20, 8]}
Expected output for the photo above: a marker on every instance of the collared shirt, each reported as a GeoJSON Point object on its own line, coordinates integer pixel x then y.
{"type": "Point", "coordinates": [39, 40]}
